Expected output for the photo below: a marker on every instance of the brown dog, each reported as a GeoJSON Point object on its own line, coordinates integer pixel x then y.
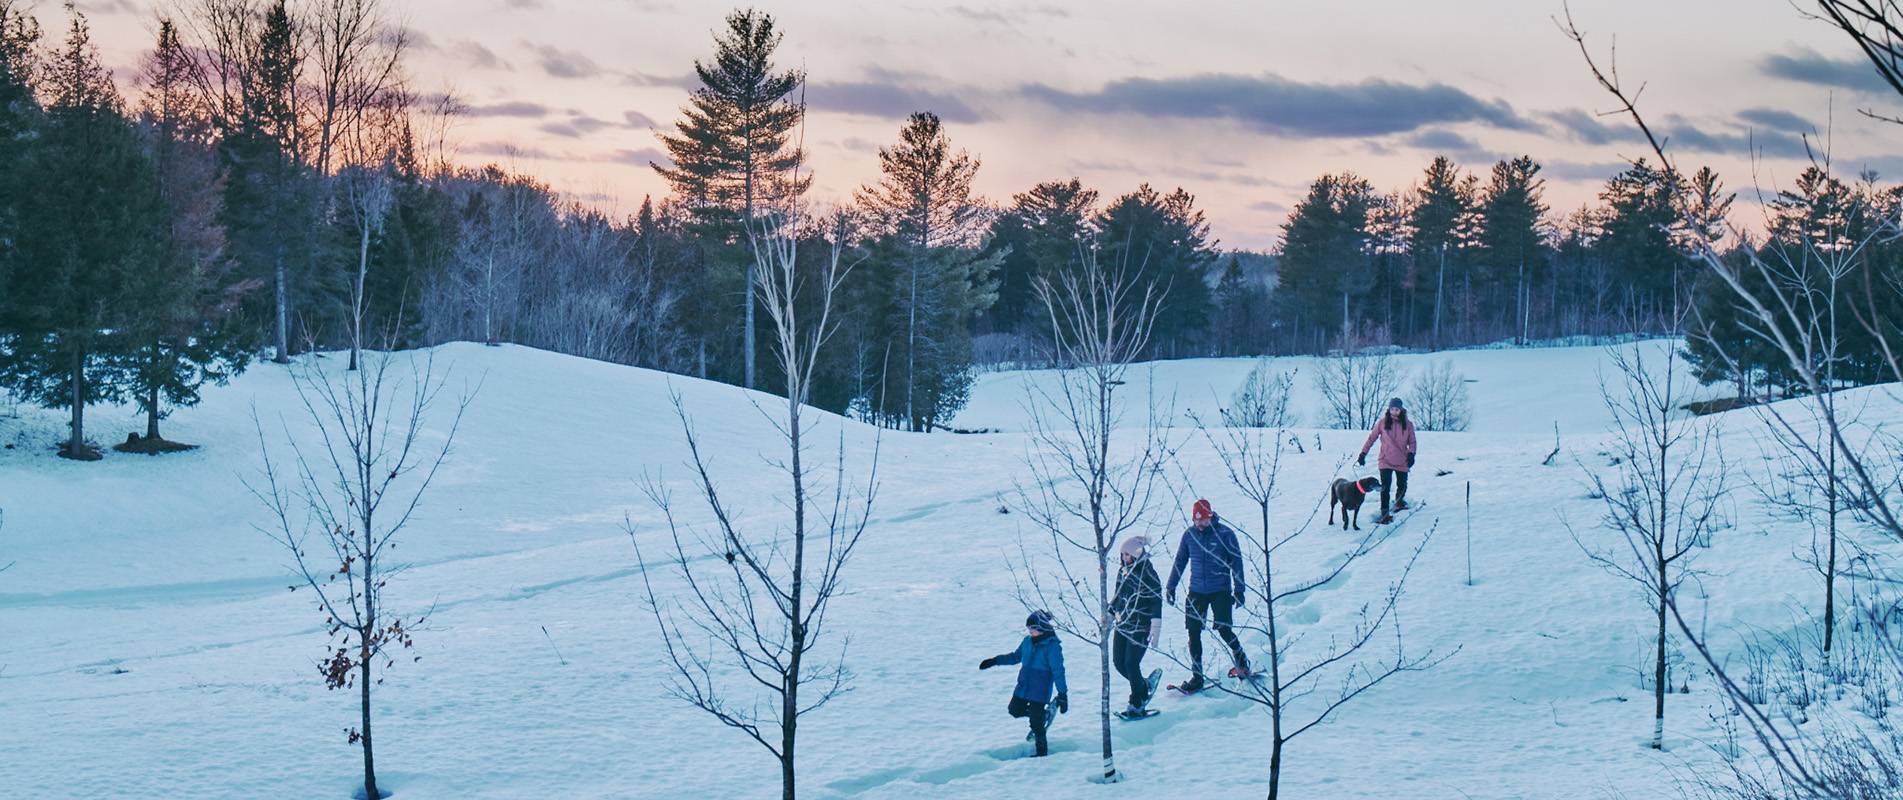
{"type": "Point", "coordinates": [1349, 494]}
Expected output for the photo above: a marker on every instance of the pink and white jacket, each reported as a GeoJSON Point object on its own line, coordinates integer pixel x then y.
{"type": "Point", "coordinates": [1397, 443]}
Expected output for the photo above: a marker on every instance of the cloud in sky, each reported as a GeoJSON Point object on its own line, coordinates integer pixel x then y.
{"type": "Point", "coordinates": [517, 109]}
{"type": "Point", "coordinates": [1280, 106]}
{"type": "Point", "coordinates": [887, 100]}
{"type": "Point", "coordinates": [559, 63]}
{"type": "Point", "coordinates": [475, 54]}
{"type": "Point", "coordinates": [1776, 119]}
{"type": "Point", "coordinates": [1812, 67]}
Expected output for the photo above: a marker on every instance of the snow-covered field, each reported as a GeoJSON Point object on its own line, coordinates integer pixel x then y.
{"type": "Point", "coordinates": [149, 647]}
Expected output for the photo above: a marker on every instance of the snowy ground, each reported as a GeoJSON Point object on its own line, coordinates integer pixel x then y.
{"type": "Point", "coordinates": [149, 648]}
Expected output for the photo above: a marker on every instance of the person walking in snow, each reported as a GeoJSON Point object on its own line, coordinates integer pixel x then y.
{"type": "Point", "coordinates": [1040, 660]}
{"type": "Point", "coordinates": [1214, 560]}
{"type": "Point", "coordinates": [1396, 434]}
{"type": "Point", "coordinates": [1136, 619]}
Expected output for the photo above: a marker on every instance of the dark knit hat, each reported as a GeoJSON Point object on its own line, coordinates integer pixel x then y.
{"type": "Point", "coordinates": [1041, 621]}
{"type": "Point", "coordinates": [1395, 403]}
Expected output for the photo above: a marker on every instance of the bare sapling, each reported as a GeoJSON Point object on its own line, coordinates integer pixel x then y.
{"type": "Point", "coordinates": [1352, 662]}
{"type": "Point", "coordinates": [352, 484]}
{"type": "Point", "coordinates": [1661, 499]}
{"type": "Point", "coordinates": [1092, 481]}
{"type": "Point", "coordinates": [747, 635]}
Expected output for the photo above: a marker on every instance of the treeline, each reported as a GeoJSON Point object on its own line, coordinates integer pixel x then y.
{"type": "Point", "coordinates": [277, 185]}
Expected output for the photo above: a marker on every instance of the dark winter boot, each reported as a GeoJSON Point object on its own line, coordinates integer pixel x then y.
{"type": "Point", "coordinates": [1193, 685]}
{"type": "Point", "coordinates": [1242, 667]}
{"type": "Point", "coordinates": [1384, 519]}
{"type": "Point", "coordinates": [1400, 504]}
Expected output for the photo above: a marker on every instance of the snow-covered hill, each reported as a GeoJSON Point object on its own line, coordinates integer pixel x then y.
{"type": "Point", "coordinates": [151, 648]}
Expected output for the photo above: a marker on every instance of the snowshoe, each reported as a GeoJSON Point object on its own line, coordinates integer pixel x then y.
{"type": "Point", "coordinates": [1133, 713]}
{"type": "Point", "coordinates": [1149, 692]}
{"type": "Point", "coordinates": [1191, 686]}
{"type": "Point", "coordinates": [1242, 675]}
{"type": "Point", "coordinates": [1050, 716]}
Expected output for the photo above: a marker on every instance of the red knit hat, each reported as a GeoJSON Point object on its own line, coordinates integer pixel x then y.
{"type": "Point", "coordinates": [1202, 511]}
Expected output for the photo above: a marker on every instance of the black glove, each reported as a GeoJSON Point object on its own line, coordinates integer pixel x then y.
{"type": "Point", "coordinates": [1363, 460]}
{"type": "Point", "coordinates": [1172, 600]}
{"type": "Point", "coordinates": [988, 663]}
{"type": "Point", "coordinates": [1238, 599]}
{"type": "Point", "coordinates": [1062, 702]}
{"type": "Point", "coordinates": [1410, 460]}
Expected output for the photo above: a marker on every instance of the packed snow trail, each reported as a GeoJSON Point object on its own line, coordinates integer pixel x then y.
{"type": "Point", "coordinates": [150, 644]}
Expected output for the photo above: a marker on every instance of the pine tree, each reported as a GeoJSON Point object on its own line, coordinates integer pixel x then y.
{"type": "Point", "coordinates": [266, 203]}
{"type": "Point", "coordinates": [1636, 239]}
{"type": "Point", "coordinates": [1042, 232]}
{"type": "Point", "coordinates": [1325, 255]}
{"type": "Point", "coordinates": [924, 204]}
{"type": "Point", "coordinates": [1441, 206]}
{"type": "Point", "coordinates": [1164, 240]}
{"type": "Point", "coordinates": [732, 149]}
{"type": "Point", "coordinates": [1512, 247]}
{"type": "Point", "coordinates": [90, 227]}
{"type": "Point", "coordinates": [19, 114]}
{"type": "Point", "coordinates": [1241, 311]}
{"type": "Point", "coordinates": [185, 331]}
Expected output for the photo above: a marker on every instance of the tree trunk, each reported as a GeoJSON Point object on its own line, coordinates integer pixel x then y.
{"type": "Point", "coordinates": [754, 256]}
{"type": "Point", "coordinates": [1830, 566]}
{"type": "Point", "coordinates": [356, 295]}
{"type": "Point", "coordinates": [1275, 657]}
{"type": "Point", "coordinates": [283, 302]}
{"type": "Point", "coordinates": [911, 346]}
{"type": "Point", "coordinates": [152, 395]}
{"type": "Point", "coordinates": [795, 619]}
{"type": "Point", "coordinates": [76, 445]}
{"type": "Point", "coordinates": [369, 756]}
{"type": "Point", "coordinates": [1658, 668]}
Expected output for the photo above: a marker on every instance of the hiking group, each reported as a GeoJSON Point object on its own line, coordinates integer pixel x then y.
{"type": "Point", "coordinates": [1211, 556]}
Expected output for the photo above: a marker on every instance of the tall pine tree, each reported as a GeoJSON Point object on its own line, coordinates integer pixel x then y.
{"type": "Point", "coordinates": [19, 117]}
{"type": "Point", "coordinates": [732, 151]}
{"type": "Point", "coordinates": [924, 206]}
{"type": "Point", "coordinates": [1325, 257]}
{"type": "Point", "coordinates": [83, 238]}
{"type": "Point", "coordinates": [1163, 239]}
{"type": "Point", "coordinates": [1513, 251]}
{"type": "Point", "coordinates": [1041, 232]}
{"type": "Point", "coordinates": [267, 202]}
{"type": "Point", "coordinates": [186, 330]}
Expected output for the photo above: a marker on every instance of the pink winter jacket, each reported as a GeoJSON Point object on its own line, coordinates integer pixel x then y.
{"type": "Point", "coordinates": [1396, 443]}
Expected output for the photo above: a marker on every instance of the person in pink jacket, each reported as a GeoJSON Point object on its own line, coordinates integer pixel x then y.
{"type": "Point", "coordinates": [1397, 456]}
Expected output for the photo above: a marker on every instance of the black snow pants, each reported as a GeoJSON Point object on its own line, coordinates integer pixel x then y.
{"type": "Point", "coordinates": [1217, 608]}
{"type": "Point", "coordinates": [1126, 653]}
{"type": "Point", "coordinates": [1396, 478]}
{"type": "Point", "coordinates": [1022, 708]}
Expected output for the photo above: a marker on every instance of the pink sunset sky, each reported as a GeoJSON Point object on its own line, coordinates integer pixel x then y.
{"type": "Point", "coordinates": [1241, 103]}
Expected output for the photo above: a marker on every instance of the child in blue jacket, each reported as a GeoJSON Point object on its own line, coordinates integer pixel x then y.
{"type": "Point", "coordinates": [1040, 660]}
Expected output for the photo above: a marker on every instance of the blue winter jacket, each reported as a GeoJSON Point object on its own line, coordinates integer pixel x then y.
{"type": "Point", "coordinates": [1214, 560]}
{"type": "Point", "coordinates": [1040, 664]}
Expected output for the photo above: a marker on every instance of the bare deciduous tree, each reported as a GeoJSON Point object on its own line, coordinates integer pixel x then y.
{"type": "Point", "coordinates": [1440, 398]}
{"type": "Point", "coordinates": [1662, 499]}
{"type": "Point", "coordinates": [1840, 761]}
{"type": "Point", "coordinates": [1346, 668]}
{"type": "Point", "coordinates": [742, 641]}
{"type": "Point", "coordinates": [1262, 401]}
{"type": "Point", "coordinates": [340, 505]}
{"type": "Point", "coordinates": [1355, 382]}
{"type": "Point", "coordinates": [1088, 485]}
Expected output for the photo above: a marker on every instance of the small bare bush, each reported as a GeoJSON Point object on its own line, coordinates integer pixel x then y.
{"type": "Point", "coordinates": [1440, 399]}
{"type": "Point", "coordinates": [1262, 400]}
